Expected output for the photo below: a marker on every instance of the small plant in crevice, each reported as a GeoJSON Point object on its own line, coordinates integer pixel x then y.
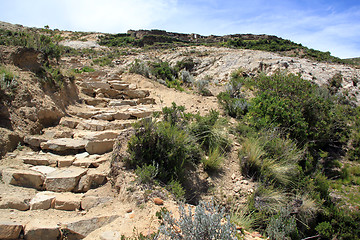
{"type": "Point", "coordinates": [147, 173]}
{"type": "Point", "coordinates": [207, 221]}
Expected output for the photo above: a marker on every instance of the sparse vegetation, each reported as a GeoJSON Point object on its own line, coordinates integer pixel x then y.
{"type": "Point", "coordinates": [206, 222]}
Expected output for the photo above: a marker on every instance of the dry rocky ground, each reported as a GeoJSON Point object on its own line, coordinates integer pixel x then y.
{"type": "Point", "coordinates": [59, 182]}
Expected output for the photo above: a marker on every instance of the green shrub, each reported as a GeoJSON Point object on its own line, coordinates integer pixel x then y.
{"type": "Point", "coordinates": [139, 67]}
{"type": "Point", "coordinates": [165, 145]}
{"type": "Point", "coordinates": [282, 226]}
{"type": "Point", "coordinates": [7, 79]}
{"type": "Point", "coordinates": [176, 188]}
{"type": "Point", "coordinates": [176, 115]}
{"type": "Point", "coordinates": [209, 131]}
{"type": "Point", "coordinates": [207, 222]}
{"type": "Point", "coordinates": [187, 64]}
{"type": "Point", "coordinates": [162, 70]}
{"type": "Point", "coordinates": [147, 173]}
{"type": "Point", "coordinates": [84, 69]}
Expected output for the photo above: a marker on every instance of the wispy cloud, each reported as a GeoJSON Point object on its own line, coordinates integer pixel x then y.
{"type": "Point", "coordinates": [327, 25]}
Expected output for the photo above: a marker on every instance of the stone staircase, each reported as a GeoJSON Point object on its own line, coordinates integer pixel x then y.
{"type": "Point", "coordinates": [72, 158]}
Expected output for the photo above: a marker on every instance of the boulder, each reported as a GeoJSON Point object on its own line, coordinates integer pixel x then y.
{"type": "Point", "coordinates": [65, 161]}
{"type": "Point", "coordinates": [146, 101]}
{"type": "Point", "coordinates": [136, 93]}
{"type": "Point", "coordinates": [35, 140]}
{"type": "Point", "coordinates": [99, 146]}
{"type": "Point", "coordinates": [119, 86]}
{"type": "Point", "coordinates": [64, 179]}
{"type": "Point", "coordinates": [69, 122]}
{"type": "Point", "coordinates": [10, 230]}
{"type": "Point", "coordinates": [23, 178]}
{"type": "Point", "coordinates": [63, 144]}
{"type": "Point", "coordinates": [81, 228]}
{"type": "Point", "coordinates": [14, 202]}
{"type": "Point", "coordinates": [36, 230]}
{"type": "Point", "coordinates": [9, 140]}
{"type": "Point", "coordinates": [42, 200]}
{"type": "Point", "coordinates": [100, 102]}
{"type": "Point", "coordinates": [92, 179]}
{"type": "Point", "coordinates": [68, 201]}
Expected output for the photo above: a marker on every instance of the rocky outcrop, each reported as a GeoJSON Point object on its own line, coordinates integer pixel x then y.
{"type": "Point", "coordinates": [28, 59]}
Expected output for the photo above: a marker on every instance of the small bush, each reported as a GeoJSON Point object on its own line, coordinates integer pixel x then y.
{"type": "Point", "coordinates": [202, 87]}
{"type": "Point", "coordinates": [187, 64]}
{"type": "Point", "coordinates": [7, 79]}
{"type": "Point", "coordinates": [165, 145]}
{"type": "Point", "coordinates": [176, 115]}
{"type": "Point", "coordinates": [175, 188]}
{"type": "Point", "coordinates": [186, 77]}
{"type": "Point", "coordinates": [140, 68]}
{"type": "Point", "coordinates": [282, 226]}
{"type": "Point", "coordinates": [207, 222]}
{"type": "Point", "coordinates": [147, 173]}
{"type": "Point", "coordinates": [210, 132]}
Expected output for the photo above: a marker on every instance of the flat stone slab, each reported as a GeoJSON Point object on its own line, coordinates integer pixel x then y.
{"type": "Point", "coordinates": [132, 93]}
{"type": "Point", "coordinates": [90, 161]}
{"type": "Point", "coordinates": [81, 228]}
{"type": "Point", "coordinates": [45, 170]}
{"type": "Point", "coordinates": [35, 140]}
{"type": "Point", "coordinates": [10, 230]}
{"type": "Point", "coordinates": [69, 122]}
{"type": "Point", "coordinates": [67, 201]}
{"type": "Point", "coordinates": [36, 230]}
{"type": "Point", "coordinates": [99, 146]}
{"type": "Point", "coordinates": [14, 202]}
{"type": "Point", "coordinates": [100, 125]}
{"type": "Point", "coordinates": [23, 178]}
{"type": "Point", "coordinates": [42, 200]}
{"type": "Point", "coordinates": [64, 179]}
{"type": "Point", "coordinates": [38, 160]}
{"type": "Point", "coordinates": [63, 144]}
{"type": "Point", "coordinates": [115, 103]}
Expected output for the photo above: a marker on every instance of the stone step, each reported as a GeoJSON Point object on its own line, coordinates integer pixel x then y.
{"type": "Point", "coordinates": [69, 179]}
{"type": "Point", "coordinates": [50, 228]}
{"type": "Point", "coordinates": [114, 113]}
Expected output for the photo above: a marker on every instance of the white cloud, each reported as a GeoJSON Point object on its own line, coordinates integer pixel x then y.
{"type": "Point", "coordinates": [117, 16]}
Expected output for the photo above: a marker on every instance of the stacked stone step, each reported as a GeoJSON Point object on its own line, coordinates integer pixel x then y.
{"type": "Point", "coordinates": [51, 230]}
{"type": "Point", "coordinates": [55, 182]}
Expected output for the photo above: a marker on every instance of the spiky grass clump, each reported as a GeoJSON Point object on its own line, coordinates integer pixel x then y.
{"type": "Point", "coordinates": [270, 158]}
{"type": "Point", "coordinates": [214, 160]}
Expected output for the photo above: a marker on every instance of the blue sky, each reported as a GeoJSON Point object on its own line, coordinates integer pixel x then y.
{"type": "Point", "coordinates": [332, 25]}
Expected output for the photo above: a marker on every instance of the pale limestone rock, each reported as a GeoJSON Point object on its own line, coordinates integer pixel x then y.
{"type": "Point", "coordinates": [42, 200]}
{"type": "Point", "coordinates": [81, 228]}
{"type": "Point", "coordinates": [64, 179]}
{"type": "Point", "coordinates": [99, 146]}
{"type": "Point", "coordinates": [36, 230]}
{"type": "Point", "coordinates": [14, 202]}
{"type": "Point", "coordinates": [38, 160]}
{"type": "Point", "coordinates": [45, 170]}
{"type": "Point", "coordinates": [67, 201]}
{"type": "Point", "coordinates": [63, 144]}
{"type": "Point", "coordinates": [23, 178]}
{"type": "Point", "coordinates": [110, 235]}
{"type": "Point", "coordinates": [69, 122]}
{"type": "Point", "coordinates": [136, 93]}
{"type": "Point", "coordinates": [115, 103]}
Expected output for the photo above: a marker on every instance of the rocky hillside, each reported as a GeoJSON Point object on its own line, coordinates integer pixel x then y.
{"type": "Point", "coordinates": [95, 143]}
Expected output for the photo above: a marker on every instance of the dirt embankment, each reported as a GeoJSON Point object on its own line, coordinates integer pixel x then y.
{"type": "Point", "coordinates": [29, 104]}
